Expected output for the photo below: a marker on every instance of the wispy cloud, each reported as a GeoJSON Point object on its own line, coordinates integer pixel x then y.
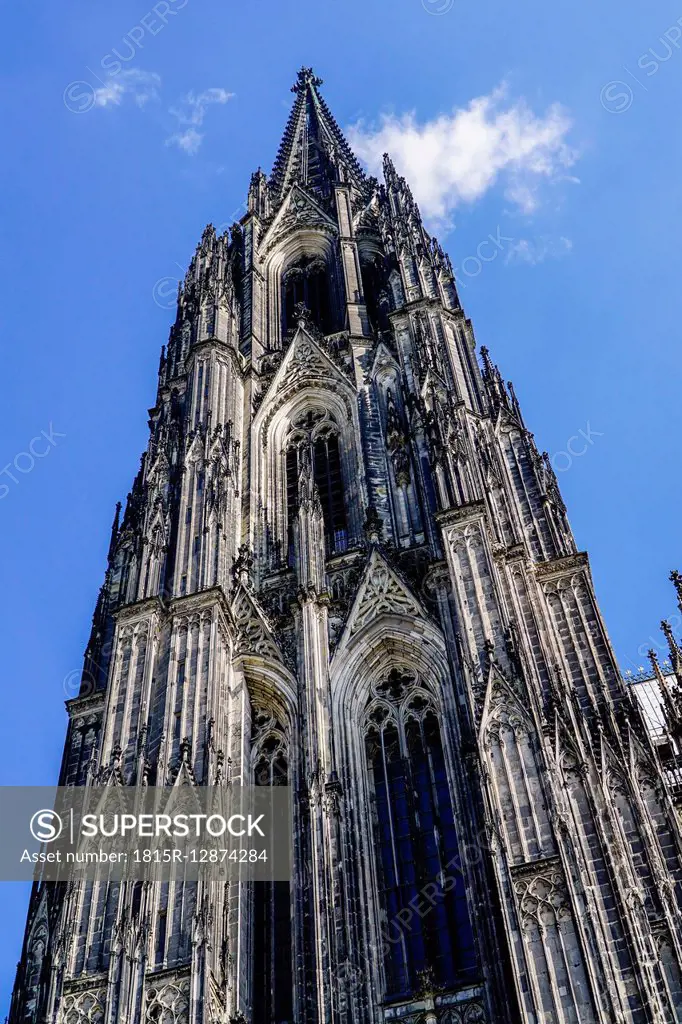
{"type": "Point", "coordinates": [140, 86]}
{"type": "Point", "coordinates": [537, 250]}
{"type": "Point", "coordinates": [143, 86]}
{"type": "Point", "coordinates": [456, 158]}
{"type": "Point", "coordinates": [190, 114]}
{"type": "Point", "coordinates": [189, 140]}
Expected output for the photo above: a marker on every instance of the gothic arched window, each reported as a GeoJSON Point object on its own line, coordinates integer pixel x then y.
{"type": "Point", "coordinates": [416, 842]}
{"type": "Point", "coordinates": [272, 946]}
{"type": "Point", "coordinates": [307, 282]}
{"type": "Point", "coordinates": [315, 438]}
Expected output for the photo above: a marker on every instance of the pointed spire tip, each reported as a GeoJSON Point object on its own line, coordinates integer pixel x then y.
{"type": "Point", "coordinates": [305, 77]}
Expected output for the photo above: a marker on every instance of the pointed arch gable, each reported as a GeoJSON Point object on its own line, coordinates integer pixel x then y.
{"type": "Point", "coordinates": [382, 594]}
{"type": "Point", "coordinates": [298, 210]}
{"type": "Point", "coordinates": [254, 636]}
{"type": "Point", "coordinates": [385, 363]}
{"type": "Point", "coordinates": [566, 747]}
{"type": "Point", "coordinates": [390, 640]}
{"type": "Point", "coordinates": [499, 694]}
{"type": "Point", "coordinates": [304, 364]}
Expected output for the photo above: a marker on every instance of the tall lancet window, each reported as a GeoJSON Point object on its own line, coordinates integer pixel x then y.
{"type": "Point", "coordinates": [292, 499]}
{"type": "Point", "coordinates": [415, 842]}
{"type": "Point", "coordinates": [315, 437]}
{"type": "Point", "coordinates": [375, 291]}
{"type": "Point", "coordinates": [329, 482]}
{"type": "Point", "coordinates": [307, 282]}
{"type": "Point", "coordinates": [272, 946]}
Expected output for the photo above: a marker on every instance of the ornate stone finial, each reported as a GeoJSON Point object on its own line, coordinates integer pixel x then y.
{"type": "Point", "coordinates": [515, 402]}
{"type": "Point", "coordinates": [115, 528]}
{"type": "Point", "coordinates": [389, 169]}
{"type": "Point", "coordinates": [207, 237]}
{"type": "Point", "coordinates": [667, 631]}
{"type": "Point", "coordinates": [487, 361]}
{"type": "Point", "coordinates": [304, 78]}
{"type": "Point", "coordinates": [676, 580]}
{"type": "Point", "coordinates": [186, 750]}
{"type": "Point", "coordinates": [304, 318]}
{"type": "Point", "coordinates": [669, 696]}
{"type": "Point", "coordinates": [258, 199]}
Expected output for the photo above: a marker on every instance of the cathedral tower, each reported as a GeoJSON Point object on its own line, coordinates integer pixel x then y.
{"type": "Point", "coordinates": [345, 566]}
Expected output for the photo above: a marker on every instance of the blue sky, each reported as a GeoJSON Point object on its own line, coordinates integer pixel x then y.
{"type": "Point", "coordinates": [552, 127]}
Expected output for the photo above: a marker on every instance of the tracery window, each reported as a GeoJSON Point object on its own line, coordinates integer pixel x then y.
{"type": "Point", "coordinates": [307, 282]}
{"type": "Point", "coordinates": [416, 841]}
{"type": "Point", "coordinates": [84, 1008]}
{"type": "Point", "coordinates": [168, 1004]}
{"type": "Point", "coordinates": [315, 439]}
{"type": "Point", "coordinates": [272, 945]}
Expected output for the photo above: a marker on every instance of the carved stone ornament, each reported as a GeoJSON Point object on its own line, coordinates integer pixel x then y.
{"type": "Point", "coordinates": [253, 634]}
{"type": "Point", "coordinates": [84, 1007]}
{"type": "Point", "coordinates": [541, 893]}
{"type": "Point", "coordinates": [168, 1003]}
{"type": "Point", "coordinates": [382, 593]}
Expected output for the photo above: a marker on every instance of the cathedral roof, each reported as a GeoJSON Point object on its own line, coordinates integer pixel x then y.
{"type": "Point", "coordinates": [313, 150]}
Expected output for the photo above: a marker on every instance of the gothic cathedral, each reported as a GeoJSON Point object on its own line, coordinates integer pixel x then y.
{"type": "Point", "coordinates": [344, 566]}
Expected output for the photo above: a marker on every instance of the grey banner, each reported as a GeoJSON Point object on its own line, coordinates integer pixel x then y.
{"type": "Point", "coordinates": [119, 832]}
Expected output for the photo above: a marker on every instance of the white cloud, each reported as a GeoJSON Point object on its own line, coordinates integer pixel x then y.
{"type": "Point", "coordinates": [191, 112]}
{"type": "Point", "coordinates": [537, 250]}
{"type": "Point", "coordinates": [192, 109]}
{"type": "Point", "coordinates": [142, 86]}
{"type": "Point", "coordinates": [189, 140]}
{"type": "Point", "coordinates": [456, 158]}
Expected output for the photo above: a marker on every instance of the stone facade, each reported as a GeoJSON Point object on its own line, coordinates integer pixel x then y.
{"type": "Point", "coordinates": [345, 565]}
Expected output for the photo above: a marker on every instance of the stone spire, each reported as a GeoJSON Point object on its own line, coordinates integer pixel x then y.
{"type": "Point", "coordinates": [670, 701]}
{"type": "Point", "coordinates": [313, 150]}
{"type": "Point", "coordinates": [674, 648]}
